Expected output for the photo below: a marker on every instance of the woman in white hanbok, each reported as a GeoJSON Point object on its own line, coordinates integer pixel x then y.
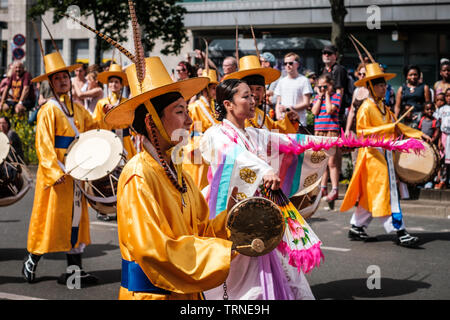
{"type": "Point", "coordinates": [241, 160]}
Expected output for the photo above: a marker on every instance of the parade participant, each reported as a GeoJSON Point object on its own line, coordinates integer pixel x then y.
{"type": "Point", "coordinates": [170, 249]}
{"type": "Point", "coordinates": [116, 80]}
{"type": "Point", "coordinates": [203, 116]}
{"type": "Point", "coordinates": [239, 159]}
{"type": "Point", "coordinates": [16, 142]}
{"type": "Point", "coordinates": [374, 166]}
{"type": "Point", "coordinates": [257, 78]}
{"type": "Point", "coordinates": [59, 221]}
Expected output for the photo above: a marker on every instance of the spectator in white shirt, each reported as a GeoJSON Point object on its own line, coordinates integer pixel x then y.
{"type": "Point", "coordinates": [293, 91]}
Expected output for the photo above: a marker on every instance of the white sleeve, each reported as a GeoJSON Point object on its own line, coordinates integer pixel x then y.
{"type": "Point", "coordinates": [277, 91]}
{"type": "Point", "coordinates": [306, 87]}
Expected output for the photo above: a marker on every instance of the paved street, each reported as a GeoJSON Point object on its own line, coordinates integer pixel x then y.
{"type": "Point", "coordinates": [421, 273]}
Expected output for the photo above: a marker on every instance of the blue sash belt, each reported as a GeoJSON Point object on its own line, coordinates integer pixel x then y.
{"type": "Point", "coordinates": [195, 134]}
{"type": "Point", "coordinates": [134, 279]}
{"type": "Point", "coordinates": [63, 142]}
{"type": "Point", "coordinates": [125, 132]}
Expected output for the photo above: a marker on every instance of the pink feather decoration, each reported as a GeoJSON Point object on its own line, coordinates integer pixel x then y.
{"type": "Point", "coordinates": [305, 259]}
{"type": "Point", "coordinates": [373, 141]}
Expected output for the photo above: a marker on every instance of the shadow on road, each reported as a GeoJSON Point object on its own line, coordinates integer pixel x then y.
{"type": "Point", "coordinates": [9, 221]}
{"type": "Point", "coordinates": [423, 237]}
{"type": "Point", "coordinates": [91, 251]}
{"type": "Point", "coordinates": [107, 276]}
{"type": "Point", "coordinates": [357, 288]}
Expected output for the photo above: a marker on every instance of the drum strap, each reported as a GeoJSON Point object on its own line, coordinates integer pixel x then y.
{"type": "Point", "coordinates": [70, 119]}
{"type": "Point", "coordinates": [77, 193]}
{"type": "Point", "coordinates": [76, 217]}
{"type": "Point", "coordinates": [204, 105]}
{"type": "Point", "coordinates": [122, 133]}
{"type": "Point", "coordinates": [77, 210]}
{"type": "Point", "coordinates": [396, 210]}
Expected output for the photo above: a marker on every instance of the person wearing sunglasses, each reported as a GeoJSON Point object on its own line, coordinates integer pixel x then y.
{"type": "Point", "coordinates": [342, 81]}
{"type": "Point", "coordinates": [293, 91]}
{"type": "Point", "coordinates": [184, 70]}
{"type": "Point", "coordinates": [325, 108]}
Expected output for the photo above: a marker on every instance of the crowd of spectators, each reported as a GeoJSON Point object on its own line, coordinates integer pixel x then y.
{"type": "Point", "coordinates": [326, 100]}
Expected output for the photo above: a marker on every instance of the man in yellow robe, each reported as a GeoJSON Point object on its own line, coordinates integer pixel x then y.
{"type": "Point", "coordinates": [116, 80]}
{"type": "Point", "coordinates": [257, 77]}
{"type": "Point", "coordinates": [170, 248]}
{"type": "Point", "coordinates": [59, 220]}
{"type": "Point", "coordinates": [202, 114]}
{"type": "Point", "coordinates": [372, 186]}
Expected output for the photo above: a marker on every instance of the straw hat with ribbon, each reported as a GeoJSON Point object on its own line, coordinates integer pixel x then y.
{"type": "Point", "coordinates": [373, 69]}
{"type": "Point", "coordinates": [156, 82]}
{"type": "Point", "coordinates": [115, 70]}
{"type": "Point", "coordinates": [53, 62]}
{"type": "Point", "coordinates": [211, 74]}
{"type": "Point", "coordinates": [251, 65]}
{"type": "Point", "coordinates": [147, 78]}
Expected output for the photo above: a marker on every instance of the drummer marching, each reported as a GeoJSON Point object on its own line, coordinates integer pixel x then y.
{"type": "Point", "coordinates": [170, 248]}
{"type": "Point", "coordinates": [374, 166]}
{"type": "Point", "coordinates": [257, 77]}
{"type": "Point", "coordinates": [59, 220]}
{"type": "Point", "coordinates": [116, 81]}
{"type": "Point", "coordinates": [203, 116]}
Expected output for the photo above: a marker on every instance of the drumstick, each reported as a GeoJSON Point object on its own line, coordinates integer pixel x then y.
{"type": "Point", "coordinates": [257, 245]}
{"type": "Point", "coordinates": [404, 115]}
{"type": "Point", "coordinates": [68, 172]}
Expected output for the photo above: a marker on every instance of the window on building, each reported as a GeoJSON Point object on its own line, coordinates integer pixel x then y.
{"type": "Point", "coordinates": [3, 57]}
{"type": "Point", "coordinates": [3, 4]}
{"type": "Point", "coordinates": [49, 46]}
{"type": "Point", "coordinates": [80, 51]}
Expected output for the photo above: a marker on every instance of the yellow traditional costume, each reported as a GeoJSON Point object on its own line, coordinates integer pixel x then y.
{"type": "Point", "coordinates": [250, 70]}
{"type": "Point", "coordinates": [114, 99]}
{"type": "Point", "coordinates": [202, 114]}
{"type": "Point", "coordinates": [53, 226]}
{"type": "Point", "coordinates": [371, 167]}
{"type": "Point", "coordinates": [373, 184]}
{"type": "Point", "coordinates": [168, 244]}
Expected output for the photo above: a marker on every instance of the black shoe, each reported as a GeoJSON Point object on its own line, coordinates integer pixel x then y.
{"type": "Point", "coordinates": [85, 278]}
{"type": "Point", "coordinates": [404, 239]}
{"type": "Point", "coordinates": [358, 233]}
{"type": "Point", "coordinates": [29, 267]}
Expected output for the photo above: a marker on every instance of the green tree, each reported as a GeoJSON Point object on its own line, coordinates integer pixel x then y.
{"type": "Point", "coordinates": [158, 19]}
{"type": "Point", "coordinates": [338, 13]}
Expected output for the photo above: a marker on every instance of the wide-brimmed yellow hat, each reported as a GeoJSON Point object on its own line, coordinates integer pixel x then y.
{"type": "Point", "coordinates": [373, 71]}
{"type": "Point", "coordinates": [115, 70]}
{"type": "Point", "coordinates": [211, 74]}
{"type": "Point", "coordinates": [157, 81]}
{"type": "Point", "coordinates": [54, 63]}
{"type": "Point", "coordinates": [250, 65]}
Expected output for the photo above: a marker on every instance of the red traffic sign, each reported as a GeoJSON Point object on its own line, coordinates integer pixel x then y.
{"type": "Point", "coordinates": [18, 53]}
{"type": "Point", "coordinates": [19, 40]}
